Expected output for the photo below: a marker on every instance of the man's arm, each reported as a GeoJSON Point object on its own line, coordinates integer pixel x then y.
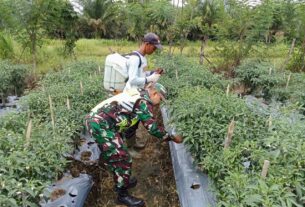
{"type": "Point", "coordinates": [144, 110]}
{"type": "Point", "coordinates": [134, 72]}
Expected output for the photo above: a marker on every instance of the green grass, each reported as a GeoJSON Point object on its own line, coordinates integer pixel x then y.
{"type": "Point", "coordinates": [50, 56]}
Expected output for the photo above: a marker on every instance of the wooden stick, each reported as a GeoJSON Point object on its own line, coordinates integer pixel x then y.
{"type": "Point", "coordinates": [52, 114]}
{"type": "Point", "coordinates": [201, 56]}
{"type": "Point", "coordinates": [81, 88]}
{"type": "Point", "coordinates": [29, 115]}
{"type": "Point", "coordinates": [68, 104]}
{"type": "Point", "coordinates": [289, 54]}
{"type": "Point", "coordinates": [270, 122]}
{"type": "Point", "coordinates": [176, 74]}
{"type": "Point", "coordinates": [270, 70]}
{"type": "Point", "coordinates": [288, 79]}
{"type": "Point", "coordinates": [99, 69]}
{"type": "Point", "coordinates": [28, 132]}
{"type": "Point", "coordinates": [228, 139]}
{"type": "Point", "coordinates": [265, 168]}
{"type": "Point", "coordinates": [228, 90]}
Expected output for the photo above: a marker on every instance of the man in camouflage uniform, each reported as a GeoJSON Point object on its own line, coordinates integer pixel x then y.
{"type": "Point", "coordinates": [107, 123]}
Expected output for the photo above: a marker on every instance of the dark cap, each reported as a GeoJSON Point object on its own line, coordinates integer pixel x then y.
{"type": "Point", "coordinates": [153, 39]}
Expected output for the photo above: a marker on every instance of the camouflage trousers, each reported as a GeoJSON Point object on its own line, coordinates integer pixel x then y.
{"type": "Point", "coordinates": [114, 154]}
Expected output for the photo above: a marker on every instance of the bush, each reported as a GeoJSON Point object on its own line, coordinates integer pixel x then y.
{"type": "Point", "coordinates": [255, 75]}
{"type": "Point", "coordinates": [260, 77]}
{"type": "Point", "coordinates": [294, 92]}
{"type": "Point", "coordinates": [12, 78]}
{"type": "Point", "coordinates": [297, 62]}
{"type": "Point", "coordinates": [232, 54]}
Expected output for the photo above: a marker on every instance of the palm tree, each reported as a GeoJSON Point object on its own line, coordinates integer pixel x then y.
{"type": "Point", "coordinates": [99, 14]}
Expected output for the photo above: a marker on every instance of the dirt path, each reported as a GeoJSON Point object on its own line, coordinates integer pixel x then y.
{"type": "Point", "coordinates": [156, 181]}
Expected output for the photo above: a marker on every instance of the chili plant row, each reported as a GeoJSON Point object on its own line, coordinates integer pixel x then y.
{"type": "Point", "coordinates": [36, 139]}
{"type": "Point", "coordinates": [207, 115]}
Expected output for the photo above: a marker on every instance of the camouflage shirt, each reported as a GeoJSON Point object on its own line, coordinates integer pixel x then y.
{"type": "Point", "coordinates": [114, 117]}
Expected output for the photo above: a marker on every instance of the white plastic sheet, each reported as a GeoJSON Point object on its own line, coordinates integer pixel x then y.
{"type": "Point", "coordinates": [76, 191]}
{"type": "Point", "coordinates": [194, 187]}
{"type": "Point", "coordinates": [88, 150]}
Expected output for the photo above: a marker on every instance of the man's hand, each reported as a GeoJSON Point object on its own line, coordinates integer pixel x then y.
{"type": "Point", "coordinates": [177, 139]}
{"type": "Point", "coordinates": [159, 71]}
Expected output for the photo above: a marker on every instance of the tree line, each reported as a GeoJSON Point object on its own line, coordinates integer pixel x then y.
{"type": "Point", "coordinates": [30, 22]}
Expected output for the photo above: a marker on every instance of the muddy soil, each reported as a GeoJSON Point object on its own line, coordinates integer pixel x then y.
{"type": "Point", "coordinates": [154, 171]}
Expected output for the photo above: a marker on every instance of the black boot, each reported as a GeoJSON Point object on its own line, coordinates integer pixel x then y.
{"type": "Point", "coordinates": [132, 183]}
{"type": "Point", "coordinates": [128, 200]}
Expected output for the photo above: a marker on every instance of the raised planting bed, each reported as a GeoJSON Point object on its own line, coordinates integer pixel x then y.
{"type": "Point", "coordinates": [194, 187]}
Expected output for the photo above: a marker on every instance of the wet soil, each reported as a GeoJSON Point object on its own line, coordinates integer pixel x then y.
{"type": "Point", "coordinates": [154, 172]}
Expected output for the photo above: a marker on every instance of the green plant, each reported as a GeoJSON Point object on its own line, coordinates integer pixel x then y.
{"type": "Point", "coordinates": [180, 73]}
{"type": "Point", "coordinates": [297, 62]}
{"type": "Point", "coordinates": [236, 170]}
{"type": "Point", "coordinates": [30, 163]}
{"type": "Point", "coordinates": [6, 47]}
{"type": "Point", "coordinates": [259, 76]}
{"type": "Point", "coordinates": [12, 78]}
{"type": "Point", "coordinates": [232, 54]}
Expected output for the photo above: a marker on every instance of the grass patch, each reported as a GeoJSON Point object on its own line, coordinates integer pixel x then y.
{"type": "Point", "coordinates": [50, 56]}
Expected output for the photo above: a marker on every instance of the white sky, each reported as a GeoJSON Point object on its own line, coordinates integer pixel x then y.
{"type": "Point", "coordinates": [175, 2]}
{"type": "Point", "coordinates": [78, 8]}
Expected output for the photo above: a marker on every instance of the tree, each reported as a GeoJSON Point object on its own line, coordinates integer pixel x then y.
{"type": "Point", "coordinates": [64, 25]}
{"type": "Point", "coordinates": [161, 15]}
{"type": "Point", "coordinates": [263, 16]}
{"type": "Point", "coordinates": [100, 15]}
{"type": "Point", "coordinates": [204, 16]}
{"type": "Point", "coordinates": [236, 24]}
{"type": "Point", "coordinates": [5, 15]}
{"type": "Point", "coordinates": [289, 18]}
{"type": "Point", "coordinates": [136, 20]}
{"type": "Point", "coordinates": [30, 20]}
{"type": "Point", "coordinates": [6, 42]}
{"type": "Point", "coordinates": [297, 63]}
